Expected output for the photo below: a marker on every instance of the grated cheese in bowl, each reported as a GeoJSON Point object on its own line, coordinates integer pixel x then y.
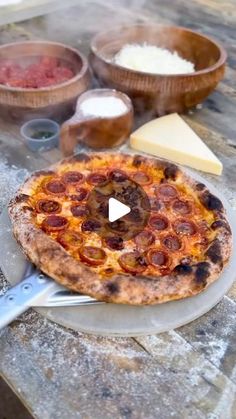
{"type": "Point", "coordinates": [152, 59]}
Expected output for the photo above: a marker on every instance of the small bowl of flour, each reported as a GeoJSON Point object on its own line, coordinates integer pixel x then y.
{"type": "Point", "coordinates": [103, 119]}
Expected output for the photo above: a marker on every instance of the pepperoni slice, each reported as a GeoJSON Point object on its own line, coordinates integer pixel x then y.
{"type": "Point", "coordinates": [54, 223]}
{"type": "Point", "coordinates": [142, 178]}
{"type": "Point", "coordinates": [167, 192]}
{"type": "Point", "coordinates": [96, 178]}
{"type": "Point", "coordinates": [144, 239]}
{"type": "Point", "coordinates": [114, 243]}
{"type": "Point", "coordinates": [134, 216]}
{"type": "Point", "coordinates": [55, 187]}
{"type": "Point", "coordinates": [70, 239]}
{"type": "Point", "coordinates": [103, 209]}
{"type": "Point", "coordinates": [78, 197]}
{"type": "Point", "coordinates": [158, 222]}
{"type": "Point", "coordinates": [90, 225]}
{"type": "Point", "coordinates": [82, 193]}
{"type": "Point", "coordinates": [132, 262]}
{"type": "Point", "coordinates": [117, 175]}
{"type": "Point", "coordinates": [182, 207]}
{"type": "Point", "coordinates": [48, 206]}
{"type": "Point", "coordinates": [184, 227]}
{"type": "Point", "coordinates": [146, 203]}
{"type": "Point", "coordinates": [172, 242]}
{"type": "Point", "coordinates": [72, 177]}
{"type": "Point", "coordinates": [157, 258]}
{"type": "Point", "coordinates": [156, 204]}
{"type": "Point", "coordinates": [118, 226]}
{"type": "Point", "coordinates": [79, 210]}
{"type": "Point", "coordinates": [92, 255]}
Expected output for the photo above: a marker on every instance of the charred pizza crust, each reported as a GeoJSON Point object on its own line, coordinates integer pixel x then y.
{"type": "Point", "coordinates": [184, 281]}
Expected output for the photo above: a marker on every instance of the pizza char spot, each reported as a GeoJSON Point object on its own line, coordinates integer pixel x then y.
{"type": "Point", "coordinates": [138, 160]}
{"type": "Point", "coordinates": [81, 157]}
{"type": "Point", "coordinates": [214, 252]}
{"type": "Point", "coordinates": [183, 269]}
{"type": "Point", "coordinates": [186, 260]}
{"type": "Point", "coordinates": [219, 224]}
{"type": "Point", "coordinates": [211, 202]}
{"type": "Point", "coordinates": [21, 198]}
{"type": "Point", "coordinates": [44, 173]}
{"type": "Point", "coordinates": [200, 186]}
{"type": "Point", "coordinates": [112, 288]}
{"type": "Point", "coordinates": [27, 208]}
{"type": "Point", "coordinates": [171, 172]}
{"type": "Point", "coordinates": [202, 273]}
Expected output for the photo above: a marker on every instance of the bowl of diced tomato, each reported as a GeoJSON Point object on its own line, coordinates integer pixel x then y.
{"type": "Point", "coordinates": [41, 79]}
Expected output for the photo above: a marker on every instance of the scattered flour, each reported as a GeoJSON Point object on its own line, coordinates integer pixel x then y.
{"type": "Point", "coordinates": [10, 179]}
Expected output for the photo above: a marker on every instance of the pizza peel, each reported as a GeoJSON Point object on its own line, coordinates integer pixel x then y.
{"type": "Point", "coordinates": [36, 289]}
{"type": "Point", "coordinates": [108, 319]}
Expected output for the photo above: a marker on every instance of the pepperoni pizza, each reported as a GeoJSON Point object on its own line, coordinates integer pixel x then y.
{"type": "Point", "coordinates": [181, 249]}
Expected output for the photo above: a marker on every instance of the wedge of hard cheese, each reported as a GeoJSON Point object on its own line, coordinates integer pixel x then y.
{"type": "Point", "coordinates": [171, 138]}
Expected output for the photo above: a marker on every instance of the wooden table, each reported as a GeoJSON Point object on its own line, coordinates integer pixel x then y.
{"type": "Point", "coordinates": [187, 373]}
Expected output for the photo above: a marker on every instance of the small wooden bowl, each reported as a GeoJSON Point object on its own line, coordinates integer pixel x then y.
{"type": "Point", "coordinates": [97, 131]}
{"type": "Point", "coordinates": [160, 94]}
{"type": "Point", "coordinates": [55, 102]}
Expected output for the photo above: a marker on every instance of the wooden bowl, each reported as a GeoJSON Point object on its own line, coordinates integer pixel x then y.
{"type": "Point", "coordinates": [56, 102]}
{"type": "Point", "coordinates": [97, 131]}
{"type": "Point", "coordinates": [159, 94]}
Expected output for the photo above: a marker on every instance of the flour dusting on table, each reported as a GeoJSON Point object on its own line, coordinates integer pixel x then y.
{"type": "Point", "coordinates": [11, 177]}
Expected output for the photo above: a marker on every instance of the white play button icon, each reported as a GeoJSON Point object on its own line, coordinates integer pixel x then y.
{"type": "Point", "coordinates": [116, 210]}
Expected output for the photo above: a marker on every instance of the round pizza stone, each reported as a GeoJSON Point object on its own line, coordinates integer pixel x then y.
{"type": "Point", "coordinates": [114, 319]}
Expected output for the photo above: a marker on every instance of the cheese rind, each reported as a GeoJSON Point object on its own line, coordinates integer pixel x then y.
{"type": "Point", "coordinates": [171, 138]}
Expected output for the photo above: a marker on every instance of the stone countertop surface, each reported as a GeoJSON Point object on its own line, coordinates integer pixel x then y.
{"type": "Point", "coordinates": [186, 373]}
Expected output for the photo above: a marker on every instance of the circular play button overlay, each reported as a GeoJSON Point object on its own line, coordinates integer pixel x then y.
{"type": "Point", "coordinates": [118, 208]}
